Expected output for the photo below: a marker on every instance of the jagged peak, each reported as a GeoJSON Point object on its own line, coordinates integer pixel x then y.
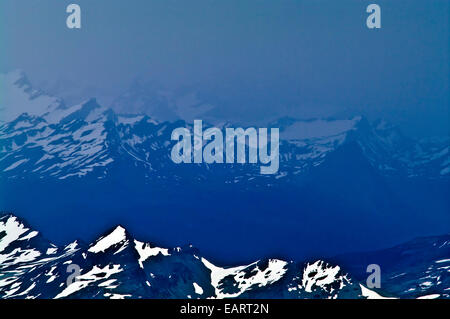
{"type": "Point", "coordinates": [88, 110]}
{"type": "Point", "coordinates": [20, 97]}
{"type": "Point", "coordinates": [118, 235]}
{"type": "Point", "coordinates": [11, 217]}
{"type": "Point", "coordinates": [13, 228]}
{"type": "Point", "coordinates": [76, 244]}
{"type": "Point", "coordinates": [6, 215]}
{"type": "Point", "coordinates": [268, 277]}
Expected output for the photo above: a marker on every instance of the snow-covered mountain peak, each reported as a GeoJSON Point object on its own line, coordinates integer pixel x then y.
{"type": "Point", "coordinates": [11, 230]}
{"type": "Point", "coordinates": [87, 111]}
{"type": "Point", "coordinates": [18, 96]}
{"type": "Point", "coordinates": [117, 237]}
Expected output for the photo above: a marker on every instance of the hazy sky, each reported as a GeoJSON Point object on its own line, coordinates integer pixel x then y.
{"type": "Point", "coordinates": [253, 59]}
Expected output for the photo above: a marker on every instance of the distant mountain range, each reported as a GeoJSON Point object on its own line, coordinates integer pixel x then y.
{"type": "Point", "coordinates": [43, 137]}
{"type": "Point", "coordinates": [118, 266]}
{"type": "Point", "coordinates": [364, 185]}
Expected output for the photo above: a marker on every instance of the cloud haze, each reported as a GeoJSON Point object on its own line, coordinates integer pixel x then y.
{"type": "Point", "coordinates": [252, 60]}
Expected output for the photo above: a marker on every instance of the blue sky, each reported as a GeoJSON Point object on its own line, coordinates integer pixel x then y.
{"type": "Point", "coordinates": [254, 59]}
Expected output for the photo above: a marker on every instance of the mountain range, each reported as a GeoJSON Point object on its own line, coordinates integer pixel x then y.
{"type": "Point", "coordinates": [117, 266]}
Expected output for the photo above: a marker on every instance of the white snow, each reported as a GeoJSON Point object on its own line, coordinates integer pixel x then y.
{"type": "Point", "coordinates": [25, 292]}
{"type": "Point", "coordinates": [51, 251]}
{"type": "Point", "coordinates": [19, 256]}
{"type": "Point", "coordinates": [108, 284]}
{"type": "Point", "coordinates": [130, 120]}
{"type": "Point", "coordinates": [115, 237]}
{"type": "Point", "coordinates": [13, 229]}
{"type": "Point", "coordinates": [59, 114]}
{"type": "Point", "coordinates": [29, 235]}
{"type": "Point", "coordinates": [51, 275]}
{"type": "Point", "coordinates": [370, 294]}
{"type": "Point", "coordinates": [8, 281]}
{"type": "Point", "coordinates": [426, 283]}
{"type": "Point", "coordinates": [145, 251]}
{"type": "Point", "coordinates": [72, 246]}
{"type": "Point", "coordinates": [90, 132]}
{"type": "Point", "coordinates": [320, 274]}
{"type": "Point", "coordinates": [44, 158]}
{"type": "Point", "coordinates": [117, 296]}
{"type": "Point", "coordinates": [198, 290]}
{"type": "Point", "coordinates": [433, 296]}
{"type": "Point", "coordinates": [22, 124]}
{"type": "Point", "coordinates": [442, 261]}
{"type": "Point", "coordinates": [90, 277]}
{"type": "Point", "coordinates": [16, 164]}
{"type": "Point", "coordinates": [274, 272]}
{"type": "Point", "coordinates": [77, 152]}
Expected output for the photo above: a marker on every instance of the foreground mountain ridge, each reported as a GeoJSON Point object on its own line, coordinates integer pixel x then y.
{"type": "Point", "coordinates": [118, 266]}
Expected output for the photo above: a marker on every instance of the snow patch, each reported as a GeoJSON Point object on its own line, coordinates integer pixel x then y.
{"type": "Point", "coordinates": [198, 290]}
{"type": "Point", "coordinates": [145, 251]}
{"type": "Point", "coordinates": [90, 277]}
{"type": "Point", "coordinates": [260, 278]}
{"type": "Point", "coordinates": [370, 294]}
{"type": "Point", "coordinates": [115, 237]}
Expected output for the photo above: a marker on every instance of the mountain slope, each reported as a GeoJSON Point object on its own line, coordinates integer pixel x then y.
{"type": "Point", "coordinates": [118, 266]}
{"type": "Point", "coordinates": [418, 267]}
